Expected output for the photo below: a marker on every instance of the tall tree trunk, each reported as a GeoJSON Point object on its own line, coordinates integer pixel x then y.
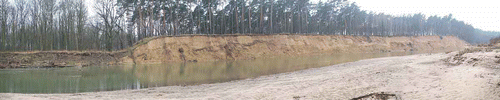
{"type": "Point", "coordinates": [260, 20]}
{"type": "Point", "coordinates": [242, 19]}
{"type": "Point", "coordinates": [271, 23]}
{"type": "Point", "coordinates": [236, 19]}
{"type": "Point", "coordinates": [250, 20]}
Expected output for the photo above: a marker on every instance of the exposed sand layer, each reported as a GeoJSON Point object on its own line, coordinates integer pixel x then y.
{"type": "Point", "coordinates": [422, 76]}
{"type": "Point", "coordinates": [203, 48]}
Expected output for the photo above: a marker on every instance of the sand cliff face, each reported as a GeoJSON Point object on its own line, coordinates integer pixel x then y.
{"type": "Point", "coordinates": [206, 48]}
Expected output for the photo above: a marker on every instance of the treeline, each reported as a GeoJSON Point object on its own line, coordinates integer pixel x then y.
{"type": "Point", "coordinates": [67, 25]}
{"type": "Point", "coordinates": [46, 25]}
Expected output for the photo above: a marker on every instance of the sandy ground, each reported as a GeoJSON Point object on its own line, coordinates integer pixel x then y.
{"type": "Point", "coordinates": [423, 76]}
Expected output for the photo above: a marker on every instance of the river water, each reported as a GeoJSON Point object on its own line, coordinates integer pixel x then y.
{"type": "Point", "coordinates": [108, 78]}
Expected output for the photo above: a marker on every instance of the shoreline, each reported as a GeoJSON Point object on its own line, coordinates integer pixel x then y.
{"type": "Point", "coordinates": [201, 48]}
{"type": "Point", "coordinates": [421, 76]}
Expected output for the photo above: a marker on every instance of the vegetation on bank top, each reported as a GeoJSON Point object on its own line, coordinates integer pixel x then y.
{"type": "Point", "coordinates": [495, 40]}
{"type": "Point", "coordinates": [67, 25]}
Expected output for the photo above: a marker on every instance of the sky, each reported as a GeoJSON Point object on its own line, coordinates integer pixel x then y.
{"type": "Point", "coordinates": [482, 14]}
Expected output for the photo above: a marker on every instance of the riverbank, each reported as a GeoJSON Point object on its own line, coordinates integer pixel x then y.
{"type": "Point", "coordinates": [54, 59]}
{"type": "Point", "coordinates": [195, 48]}
{"type": "Point", "coordinates": [240, 47]}
{"type": "Point", "coordinates": [456, 75]}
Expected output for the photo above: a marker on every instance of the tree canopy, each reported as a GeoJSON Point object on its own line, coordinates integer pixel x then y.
{"type": "Point", "coordinates": [66, 24]}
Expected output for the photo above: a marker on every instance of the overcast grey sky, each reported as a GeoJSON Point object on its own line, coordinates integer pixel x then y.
{"type": "Point", "coordinates": [482, 14]}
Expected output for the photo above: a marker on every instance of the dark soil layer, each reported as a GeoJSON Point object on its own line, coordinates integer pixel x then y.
{"type": "Point", "coordinates": [47, 59]}
{"type": "Point", "coordinates": [377, 96]}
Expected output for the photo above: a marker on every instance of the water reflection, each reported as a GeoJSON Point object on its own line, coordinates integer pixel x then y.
{"type": "Point", "coordinates": [105, 78]}
{"type": "Point", "coordinates": [64, 80]}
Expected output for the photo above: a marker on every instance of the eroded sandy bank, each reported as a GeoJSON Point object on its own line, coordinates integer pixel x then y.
{"type": "Point", "coordinates": [422, 76]}
{"type": "Point", "coordinates": [230, 47]}
{"type": "Point", "coordinates": [206, 48]}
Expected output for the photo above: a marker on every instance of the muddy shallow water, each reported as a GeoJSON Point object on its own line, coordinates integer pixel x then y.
{"type": "Point", "coordinates": [108, 78]}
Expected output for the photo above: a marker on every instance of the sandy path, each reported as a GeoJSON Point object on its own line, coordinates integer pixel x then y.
{"type": "Point", "coordinates": [422, 76]}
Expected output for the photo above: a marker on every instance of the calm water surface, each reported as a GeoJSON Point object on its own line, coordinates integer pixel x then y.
{"type": "Point", "coordinates": [107, 78]}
